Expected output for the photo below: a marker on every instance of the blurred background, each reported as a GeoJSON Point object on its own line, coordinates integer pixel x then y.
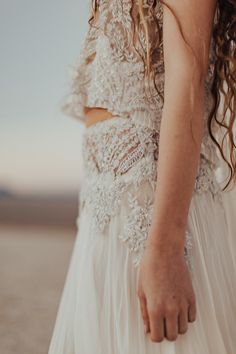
{"type": "Point", "coordinates": [40, 166]}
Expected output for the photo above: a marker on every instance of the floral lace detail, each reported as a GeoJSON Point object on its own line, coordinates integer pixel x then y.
{"type": "Point", "coordinates": [111, 151]}
{"type": "Point", "coordinates": [114, 147]}
{"type": "Point", "coordinates": [122, 170]}
{"type": "Point", "coordinates": [110, 73]}
{"type": "Point", "coordinates": [206, 179]}
{"type": "Point", "coordinates": [120, 155]}
{"type": "Point", "coordinates": [137, 222]}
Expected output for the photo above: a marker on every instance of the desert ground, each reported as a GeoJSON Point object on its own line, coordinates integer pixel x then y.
{"type": "Point", "coordinates": [33, 265]}
{"type": "Point", "coordinates": [36, 242]}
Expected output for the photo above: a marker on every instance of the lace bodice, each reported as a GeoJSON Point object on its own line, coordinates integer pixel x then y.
{"type": "Point", "coordinates": [122, 170]}
{"type": "Point", "coordinates": [121, 155]}
{"type": "Point", "coordinates": [110, 73]}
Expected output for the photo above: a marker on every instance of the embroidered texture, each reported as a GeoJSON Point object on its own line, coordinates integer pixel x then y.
{"type": "Point", "coordinates": [120, 170]}
{"type": "Point", "coordinates": [120, 155]}
{"type": "Point", "coordinates": [110, 73]}
{"type": "Point", "coordinates": [137, 222]}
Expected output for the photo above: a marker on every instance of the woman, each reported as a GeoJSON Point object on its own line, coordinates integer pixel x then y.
{"type": "Point", "coordinates": [152, 270]}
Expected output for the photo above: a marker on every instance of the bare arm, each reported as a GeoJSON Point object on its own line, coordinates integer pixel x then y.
{"type": "Point", "coordinates": [165, 289]}
{"type": "Point", "coordinates": [183, 97]}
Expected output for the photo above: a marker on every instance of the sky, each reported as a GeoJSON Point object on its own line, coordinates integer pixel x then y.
{"type": "Point", "coordinates": [40, 147]}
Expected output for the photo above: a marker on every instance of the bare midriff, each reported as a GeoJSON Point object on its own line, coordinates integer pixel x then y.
{"type": "Point", "coordinates": [96, 114]}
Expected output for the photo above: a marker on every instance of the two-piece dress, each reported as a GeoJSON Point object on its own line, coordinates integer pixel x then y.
{"type": "Point", "coordinates": [99, 311]}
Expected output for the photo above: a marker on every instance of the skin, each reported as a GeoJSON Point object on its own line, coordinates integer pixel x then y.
{"type": "Point", "coordinates": [94, 115]}
{"type": "Point", "coordinates": [165, 291]}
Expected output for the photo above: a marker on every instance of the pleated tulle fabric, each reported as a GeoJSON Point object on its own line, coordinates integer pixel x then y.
{"type": "Point", "coordinates": [99, 311]}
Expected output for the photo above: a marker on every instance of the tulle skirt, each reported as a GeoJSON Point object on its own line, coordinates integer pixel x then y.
{"type": "Point", "coordinates": [99, 311]}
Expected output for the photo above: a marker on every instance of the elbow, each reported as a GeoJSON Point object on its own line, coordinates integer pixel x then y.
{"type": "Point", "coordinates": [197, 71]}
{"type": "Point", "coordinates": [186, 69]}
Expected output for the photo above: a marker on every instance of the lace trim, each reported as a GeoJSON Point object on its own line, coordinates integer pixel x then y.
{"type": "Point", "coordinates": [137, 222]}
{"type": "Point", "coordinates": [109, 72]}
{"type": "Point", "coordinates": [120, 170]}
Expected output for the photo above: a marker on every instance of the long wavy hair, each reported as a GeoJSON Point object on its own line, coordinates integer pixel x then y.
{"type": "Point", "coordinates": [224, 73]}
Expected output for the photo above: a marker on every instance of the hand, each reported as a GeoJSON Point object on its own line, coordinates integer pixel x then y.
{"type": "Point", "coordinates": [165, 293]}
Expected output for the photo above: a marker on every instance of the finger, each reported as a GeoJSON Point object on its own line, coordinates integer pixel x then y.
{"type": "Point", "coordinates": [164, 324]}
{"type": "Point", "coordinates": [192, 312]}
{"type": "Point", "coordinates": [183, 321]}
{"type": "Point", "coordinates": [156, 320]}
{"type": "Point", "coordinates": [144, 312]}
{"type": "Point", "coordinates": [171, 326]}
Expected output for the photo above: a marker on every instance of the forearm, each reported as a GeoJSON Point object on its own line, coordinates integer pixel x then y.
{"type": "Point", "coordinates": [165, 288]}
{"type": "Point", "coordinates": [179, 151]}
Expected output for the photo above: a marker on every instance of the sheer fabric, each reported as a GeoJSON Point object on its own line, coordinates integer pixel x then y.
{"type": "Point", "coordinates": [99, 311]}
{"type": "Point", "coordinates": [118, 167]}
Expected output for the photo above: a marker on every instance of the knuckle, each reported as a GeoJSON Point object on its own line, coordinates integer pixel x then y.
{"type": "Point", "coordinates": [172, 310]}
{"type": "Point", "coordinates": [140, 295]}
{"type": "Point", "coordinates": [193, 306]}
{"type": "Point", "coordinates": [192, 300]}
{"type": "Point", "coordinates": [155, 311]}
{"type": "Point", "coordinates": [183, 307]}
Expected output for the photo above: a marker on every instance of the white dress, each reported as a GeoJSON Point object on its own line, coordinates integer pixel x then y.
{"type": "Point", "coordinates": [99, 311]}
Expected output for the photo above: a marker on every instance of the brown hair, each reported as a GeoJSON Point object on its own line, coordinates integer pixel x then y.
{"type": "Point", "coordinates": [224, 36]}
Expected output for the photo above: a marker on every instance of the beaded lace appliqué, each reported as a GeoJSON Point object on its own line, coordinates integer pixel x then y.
{"type": "Point", "coordinates": [136, 225]}
{"type": "Point", "coordinates": [120, 156]}
{"type": "Point", "coordinates": [110, 73]}
{"type": "Point", "coordinates": [119, 170]}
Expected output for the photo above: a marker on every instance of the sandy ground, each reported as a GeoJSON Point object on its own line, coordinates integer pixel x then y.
{"type": "Point", "coordinates": [33, 265]}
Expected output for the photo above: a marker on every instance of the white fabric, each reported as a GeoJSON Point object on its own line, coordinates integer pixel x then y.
{"type": "Point", "coordinates": [99, 311]}
{"type": "Point", "coordinates": [120, 160]}
{"type": "Point", "coordinates": [110, 72]}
